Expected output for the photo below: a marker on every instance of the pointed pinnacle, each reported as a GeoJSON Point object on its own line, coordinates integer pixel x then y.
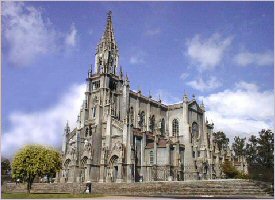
{"type": "Point", "coordinates": [126, 77]}
{"type": "Point", "coordinates": [121, 72]}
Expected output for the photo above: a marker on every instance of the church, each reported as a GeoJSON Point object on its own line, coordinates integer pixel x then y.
{"type": "Point", "coordinates": [124, 136]}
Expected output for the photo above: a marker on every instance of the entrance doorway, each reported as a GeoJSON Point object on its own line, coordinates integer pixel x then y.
{"type": "Point", "coordinates": [114, 168]}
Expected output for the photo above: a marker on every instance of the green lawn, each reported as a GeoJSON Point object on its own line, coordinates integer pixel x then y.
{"type": "Point", "coordinates": [46, 195]}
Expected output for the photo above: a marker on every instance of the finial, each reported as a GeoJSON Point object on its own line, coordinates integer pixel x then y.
{"type": "Point", "coordinates": [202, 105]}
{"type": "Point", "coordinates": [91, 67]}
{"type": "Point", "coordinates": [121, 72]}
{"type": "Point", "coordinates": [67, 128]}
{"type": "Point", "coordinates": [109, 13]}
{"type": "Point", "coordinates": [159, 98]}
{"type": "Point", "coordinates": [150, 96]}
{"type": "Point", "coordinates": [90, 72]}
{"type": "Point", "coordinates": [193, 96]}
{"type": "Point", "coordinates": [126, 78]}
{"type": "Point", "coordinates": [139, 90]}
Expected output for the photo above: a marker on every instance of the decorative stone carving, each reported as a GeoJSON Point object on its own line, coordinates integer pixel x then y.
{"type": "Point", "coordinates": [72, 148]}
{"type": "Point", "coordinates": [73, 152]}
{"type": "Point", "coordinates": [117, 147]}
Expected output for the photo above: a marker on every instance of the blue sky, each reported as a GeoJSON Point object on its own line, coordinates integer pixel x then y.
{"type": "Point", "coordinates": [220, 51]}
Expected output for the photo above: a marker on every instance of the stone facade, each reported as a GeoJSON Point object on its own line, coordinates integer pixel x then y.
{"type": "Point", "coordinates": [124, 136]}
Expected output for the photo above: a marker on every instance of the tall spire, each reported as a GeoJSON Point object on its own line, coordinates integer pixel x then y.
{"type": "Point", "coordinates": [107, 49]}
{"type": "Point", "coordinates": [108, 35]}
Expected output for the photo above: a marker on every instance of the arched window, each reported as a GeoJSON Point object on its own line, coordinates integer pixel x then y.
{"type": "Point", "coordinates": [162, 127]}
{"type": "Point", "coordinates": [195, 131]}
{"type": "Point", "coordinates": [141, 119]}
{"type": "Point", "coordinates": [151, 157]}
{"type": "Point", "coordinates": [93, 111]}
{"type": "Point", "coordinates": [175, 127]}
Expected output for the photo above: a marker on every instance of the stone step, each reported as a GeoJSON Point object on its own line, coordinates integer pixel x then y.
{"type": "Point", "coordinates": [227, 188]}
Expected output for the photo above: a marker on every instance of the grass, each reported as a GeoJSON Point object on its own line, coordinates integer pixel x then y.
{"type": "Point", "coordinates": [47, 195]}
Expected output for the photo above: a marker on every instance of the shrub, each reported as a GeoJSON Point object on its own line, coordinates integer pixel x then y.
{"type": "Point", "coordinates": [231, 172]}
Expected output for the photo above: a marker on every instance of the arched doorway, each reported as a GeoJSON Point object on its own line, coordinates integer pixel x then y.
{"type": "Point", "coordinates": [114, 168]}
{"type": "Point", "coordinates": [83, 169]}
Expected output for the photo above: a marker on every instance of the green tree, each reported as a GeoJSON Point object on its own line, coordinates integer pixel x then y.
{"type": "Point", "coordinates": [221, 139]}
{"type": "Point", "coordinates": [260, 156]}
{"type": "Point", "coordinates": [5, 166]}
{"type": "Point", "coordinates": [251, 150]}
{"type": "Point", "coordinates": [238, 146]}
{"type": "Point", "coordinates": [35, 160]}
{"type": "Point", "coordinates": [266, 148]}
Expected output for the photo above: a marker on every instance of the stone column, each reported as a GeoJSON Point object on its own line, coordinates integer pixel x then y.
{"type": "Point", "coordinates": [129, 153]}
{"type": "Point", "coordinates": [57, 177]}
{"type": "Point", "coordinates": [101, 173]}
{"type": "Point", "coordinates": [62, 176]}
{"type": "Point", "coordinates": [119, 173]}
{"type": "Point", "coordinates": [142, 159]}
{"type": "Point", "coordinates": [72, 172]}
{"type": "Point", "coordinates": [88, 170]}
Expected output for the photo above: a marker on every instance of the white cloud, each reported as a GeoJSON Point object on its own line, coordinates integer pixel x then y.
{"type": "Point", "coordinates": [201, 85]}
{"type": "Point", "coordinates": [70, 39]}
{"type": "Point", "coordinates": [138, 58]}
{"type": "Point", "coordinates": [183, 76]}
{"type": "Point", "coordinates": [45, 126]}
{"type": "Point", "coordinates": [152, 32]}
{"type": "Point", "coordinates": [28, 34]}
{"type": "Point", "coordinates": [166, 97]}
{"type": "Point", "coordinates": [207, 54]}
{"type": "Point", "coordinates": [243, 110]}
{"type": "Point", "coordinates": [258, 59]}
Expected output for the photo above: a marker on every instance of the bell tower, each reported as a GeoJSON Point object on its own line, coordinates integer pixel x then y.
{"type": "Point", "coordinates": [107, 56]}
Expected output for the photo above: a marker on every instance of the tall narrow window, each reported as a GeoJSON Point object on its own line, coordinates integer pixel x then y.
{"type": "Point", "coordinates": [151, 157]}
{"type": "Point", "coordinates": [131, 115]}
{"type": "Point", "coordinates": [195, 132]}
{"type": "Point", "coordinates": [141, 119]}
{"type": "Point", "coordinates": [94, 111]}
{"type": "Point", "coordinates": [175, 127]}
{"type": "Point", "coordinates": [152, 123]}
{"type": "Point", "coordinates": [162, 127]}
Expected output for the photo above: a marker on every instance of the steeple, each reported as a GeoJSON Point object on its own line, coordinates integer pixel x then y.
{"type": "Point", "coordinates": [66, 132]}
{"type": "Point", "coordinates": [108, 37]}
{"type": "Point", "coordinates": [106, 59]}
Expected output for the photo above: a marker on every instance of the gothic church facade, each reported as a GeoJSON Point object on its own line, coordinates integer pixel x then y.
{"type": "Point", "coordinates": [124, 136]}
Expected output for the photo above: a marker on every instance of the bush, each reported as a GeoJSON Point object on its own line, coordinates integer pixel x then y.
{"type": "Point", "coordinates": [242, 175]}
{"type": "Point", "coordinates": [231, 172]}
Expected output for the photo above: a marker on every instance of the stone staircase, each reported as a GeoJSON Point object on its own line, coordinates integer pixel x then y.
{"type": "Point", "coordinates": [210, 188]}
{"type": "Point", "coordinates": [227, 188]}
